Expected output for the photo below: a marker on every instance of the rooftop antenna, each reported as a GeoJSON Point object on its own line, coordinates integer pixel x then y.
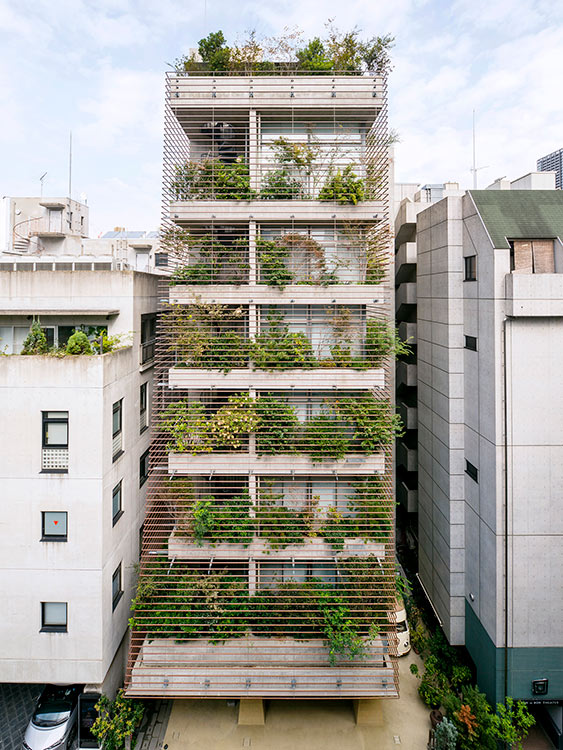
{"type": "Point", "coordinates": [70, 165]}
{"type": "Point", "coordinates": [41, 179]}
{"type": "Point", "coordinates": [475, 168]}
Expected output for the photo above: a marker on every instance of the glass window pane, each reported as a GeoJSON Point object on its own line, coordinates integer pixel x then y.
{"type": "Point", "coordinates": [116, 583]}
{"type": "Point", "coordinates": [64, 333]}
{"type": "Point", "coordinates": [117, 418]}
{"type": "Point", "coordinates": [54, 523]}
{"type": "Point", "coordinates": [6, 339]}
{"type": "Point", "coordinates": [56, 433]}
{"type": "Point", "coordinates": [54, 613]}
{"type": "Point", "coordinates": [116, 500]}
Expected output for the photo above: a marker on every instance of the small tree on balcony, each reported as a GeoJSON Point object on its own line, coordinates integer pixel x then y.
{"type": "Point", "coordinates": [36, 341]}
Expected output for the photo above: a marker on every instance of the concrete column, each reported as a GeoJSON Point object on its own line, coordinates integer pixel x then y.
{"type": "Point", "coordinates": [253, 126]}
{"type": "Point", "coordinates": [251, 712]}
{"type": "Point", "coordinates": [368, 711]}
{"type": "Point", "coordinates": [252, 270]}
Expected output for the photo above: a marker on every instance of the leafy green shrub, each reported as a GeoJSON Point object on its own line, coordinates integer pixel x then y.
{"type": "Point", "coordinates": [281, 186]}
{"type": "Point", "coordinates": [342, 637]}
{"type": "Point", "coordinates": [343, 187]}
{"type": "Point", "coordinates": [272, 258]}
{"type": "Point", "coordinates": [512, 722]}
{"type": "Point", "coordinates": [212, 178]}
{"type": "Point", "coordinates": [324, 439]}
{"type": "Point", "coordinates": [282, 526]}
{"type": "Point", "coordinates": [275, 348]}
{"type": "Point", "coordinates": [278, 426]}
{"type": "Point", "coordinates": [78, 343]}
{"type": "Point", "coordinates": [116, 720]}
{"type": "Point", "coordinates": [203, 519]}
{"type": "Point", "coordinates": [36, 341]}
{"type": "Point", "coordinates": [382, 340]}
{"type": "Point", "coordinates": [472, 717]}
{"type": "Point", "coordinates": [314, 57]}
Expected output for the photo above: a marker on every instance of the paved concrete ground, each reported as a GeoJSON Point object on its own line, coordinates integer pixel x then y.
{"type": "Point", "coordinates": [16, 706]}
{"type": "Point", "coordinates": [303, 725]}
{"type": "Point", "coordinates": [537, 740]}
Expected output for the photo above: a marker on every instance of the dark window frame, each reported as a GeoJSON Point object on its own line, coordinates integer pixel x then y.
{"type": "Point", "coordinates": [116, 516]}
{"type": "Point", "coordinates": [46, 421]}
{"type": "Point", "coordinates": [53, 537]}
{"type": "Point", "coordinates": [160, 260]}
{"type": "Point", "coordinates": [472, 471]}
{"type": "Point", "coordinates": [470, 268]}
{"type": "Point", "coordinates": [60, 628]}
{"type": "Point", "coordinates": [144, 404]}
{"type": "Point", "coordinates": [471, 343]}
{"type": "Point", "coordinates": [116, 598]}
{"type": "Point", "coordinates": [144, 464]}
{"type": "Point", "coordinates": [117, 408]}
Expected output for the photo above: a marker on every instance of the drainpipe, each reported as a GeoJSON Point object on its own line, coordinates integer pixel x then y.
{"type": "Point", "coordinates": [505, 417]}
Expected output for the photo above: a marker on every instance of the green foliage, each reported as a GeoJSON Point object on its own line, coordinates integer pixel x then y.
{"type": "Point", "coordinates": [342, 638]}
{"type": "Point", "coordinates": [214, 52]}
{"type": "Point", "coordinates": [373, 423]}
{"type": "Point", "coordinates": [116, 721]}
{"type": "Point", "coordinates": [324, 438]}
{"type": "Point", "coordinates": [78, 343]}
{"type": "Point", "coordinates": [276, 348]}
{"type": "Point", "coordinates": [382, 340]}
{"type": "Point", "coordinates": [272, 258]}
{"type": "Point", "coordinates": [278, 425]}
{"type": "Point", "coordinates": [279, 185]}
{"type": "Point", "coordinates": [471, 714]}
{"type": "Point", "coordinates": [187, 425]}
{"type": "Point", "coordinates": [209, 261]}
{"type": "Point", "coordinates": [343, 187]}
{"type": "Point", "coordinates": [434, 685]}
{"type": "Point", "coordinates": [313, 57]}
{"type": "Point", "coordinates": [213, 179]}
{"type": "Point", "coordinates": [227, 520]}
{"type": "Point", "coordinates": [445, 735]}
{"type": "Point", "coordinates": [36, 341]}
{"type": "Point", "coordinates": [338, 52]}
{"type": "Point", "coordinates": [512, 722]}
{"type": "Point", "coordinates": [282, 526]}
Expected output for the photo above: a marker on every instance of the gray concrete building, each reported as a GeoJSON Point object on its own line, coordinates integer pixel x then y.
{"type": "Point", "coordinates": [553, 162]}
{"type": "Point", "coordinates": [489, 294]}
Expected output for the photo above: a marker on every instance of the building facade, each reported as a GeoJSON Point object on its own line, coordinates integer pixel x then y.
{"type": "Point", "coordinates": [271, 502]}
{"type": "Point", "coordinates": [489, 336]}
{"type": "Point", "coordinates": [553, 163]}
{"type": "Point", "coordinates": [74, 465]}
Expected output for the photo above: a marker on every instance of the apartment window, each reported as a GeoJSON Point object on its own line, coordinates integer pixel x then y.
{"type": "Point", "coordinates": [148, 336]}
{"type": "Point", "coordinates": [161, 259]}
{"type": "Point", "coordinates": [116, 503]}
{"type": "Point", "coordinates": [116, 590]}
{"type": "Point", "coordinates": [54, 617]}
{"type": "Point", "coordinates": [53, 526]}
{"type": "Point", "coordinates": [471, 343]}
{"type": "Point", "coordinates": [144, 468]}
{"type": "Point", "coordinates": [117, 434]}
{"type": "Point", "coordinates": [54, 457]}
{"type": "Point", "coordinates": [472, 471]}
{"type": "Point", "coordinates": [470, 268]}
{"type": "Point", "coordinates": [143, 407]}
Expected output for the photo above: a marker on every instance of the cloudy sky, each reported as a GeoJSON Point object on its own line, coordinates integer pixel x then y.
{"type": "Point", "coordinates": [96, 67]}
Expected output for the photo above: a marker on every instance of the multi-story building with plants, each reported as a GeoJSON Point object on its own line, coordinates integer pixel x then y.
{"type": "Point", "coordinates": [268, 556]}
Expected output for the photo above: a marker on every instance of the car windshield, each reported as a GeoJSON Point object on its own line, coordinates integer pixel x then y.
{"type": "Point", "coordinates": [51, 713]}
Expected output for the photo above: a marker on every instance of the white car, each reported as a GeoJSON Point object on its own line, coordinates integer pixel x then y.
{"type": "Point", "coordinates": [53, 723]}
{"type": "Point", "coordinates": [403, 633]}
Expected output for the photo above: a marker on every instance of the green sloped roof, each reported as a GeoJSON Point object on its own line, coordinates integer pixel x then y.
{"type": "Point", "coordinates": [520, 214]}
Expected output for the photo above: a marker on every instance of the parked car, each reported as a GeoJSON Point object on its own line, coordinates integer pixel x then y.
{"type": "Point", "coordinates": [403, 633]}
{"type": "Point", "coordinates": [53, 724]}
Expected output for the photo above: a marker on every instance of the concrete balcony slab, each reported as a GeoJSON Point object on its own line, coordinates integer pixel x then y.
{"type": "Point", "coordinates": [259, 667]}
{"type": "Point", "coordinates": [284, 465]}
{"type": "Point", "coordinates": [185, 548]}
{"type": "Point", "coordinates": [185, 212]}
{"type": "Point", "coordinates": [262, 294]}
{"type": "Point", "coordinates": [323, 379]}
{"type": "Point", "coordinates": [534, 294]}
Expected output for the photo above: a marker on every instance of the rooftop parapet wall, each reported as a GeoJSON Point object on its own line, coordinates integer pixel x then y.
{"type": "Point", "coordinates": [275, 92]}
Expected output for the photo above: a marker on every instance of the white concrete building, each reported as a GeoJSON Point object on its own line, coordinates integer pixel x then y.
{"type": "Point", "coordinates": [55, 231]}
{"type": "Point", "coordinates": [489, 293]}
{"type": "Point", "coordinates": [73, 467]}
